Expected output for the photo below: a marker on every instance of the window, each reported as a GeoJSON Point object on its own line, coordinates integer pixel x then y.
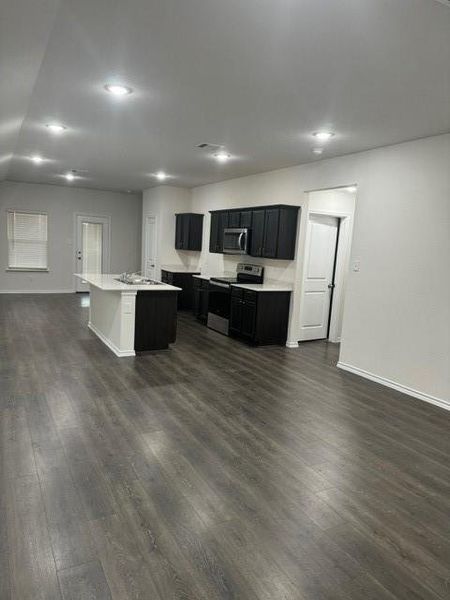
{"type": "Point", "coordinates": [27, 241]}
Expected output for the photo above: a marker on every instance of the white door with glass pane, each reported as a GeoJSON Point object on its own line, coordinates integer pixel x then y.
{"type": "Point", "coordinates": [92, 247]}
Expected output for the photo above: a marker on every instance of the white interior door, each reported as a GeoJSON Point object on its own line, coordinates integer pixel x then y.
{"type": "Point", "coordinates": [92, 247]}
{"type": "Point", "coordinates": [318, 277]}
{"type": "Point", "coordinates": [150, 248]}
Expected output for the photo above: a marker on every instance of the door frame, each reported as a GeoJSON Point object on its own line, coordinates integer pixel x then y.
{"type": "Point", "coordinates": [340, 270]}
{"type": "Point", "coordinates": [105, 220]}
{"type": "Point", "coordinates": [144, 261]}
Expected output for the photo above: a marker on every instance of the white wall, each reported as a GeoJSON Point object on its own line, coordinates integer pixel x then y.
{"type": "Point", "coordinates": [163, 202]}
{"type": "Point", "coordinates": [258, 190]}
{"type": "Point", "coordinates": [61, 203]}
{"type": "Point", "coordinates": [397, 309]}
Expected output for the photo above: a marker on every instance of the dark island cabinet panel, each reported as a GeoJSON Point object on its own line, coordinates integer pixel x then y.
{"type": "Point", "coordinates": [155, 320]}
{"type": "Point", "coordinates": [273, 229]}
{"type": "Point", "coordinates": [188, 231]}
{"type": "Point", "coordinates": [260, 318]}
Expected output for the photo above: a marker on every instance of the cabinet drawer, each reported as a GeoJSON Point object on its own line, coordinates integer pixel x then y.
{"type": "Point", "coordinates": [204, 283]}
{"type": "Point", "coordinates": [249, 296]}
{"type": "Point", "coordinates": [237, 292]}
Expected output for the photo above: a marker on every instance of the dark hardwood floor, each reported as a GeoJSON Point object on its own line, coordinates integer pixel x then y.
{"type": "Point", "coordinates": [210, 471]}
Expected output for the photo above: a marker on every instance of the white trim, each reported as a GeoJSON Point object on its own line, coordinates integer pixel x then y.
{"type": "Point", "coordinates": [343, 258]}
{"type": "Point", "coordinates": [66, 291]}
{"type": "Point", "coordinates": [291, 344]}
{"type": "Point", "coordinates": [111, 346]}
{"type": "Point", "coordinates": [445, 404]}
{"type": "Point", "coordinates": [144, 246]}
{"type": "Point", "coordinates": [107, 255]}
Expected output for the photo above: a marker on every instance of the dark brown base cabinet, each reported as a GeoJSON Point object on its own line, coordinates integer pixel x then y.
{"type": "Point", "coordinates": [200, 299]}
{"type": "Point", "coordinates": [185, 282]}
{"type": "Point", "coordinates": [260, 318]}
{"type": "Point", "coordinates": [273, 229]}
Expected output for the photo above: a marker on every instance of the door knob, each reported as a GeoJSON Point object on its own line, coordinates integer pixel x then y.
{"type": "Point", "coordinates": [331, 286]}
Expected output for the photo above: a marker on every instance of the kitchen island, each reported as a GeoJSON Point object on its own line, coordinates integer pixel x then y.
{"type": "Point", "coordinates": [131, 318]}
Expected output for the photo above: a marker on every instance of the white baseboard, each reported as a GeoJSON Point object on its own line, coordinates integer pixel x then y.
{"type": "Point", "coordinates": [71, 291]}
{"type": "Point", "coordinates": [445, 404]}
{"type": "Point", "coordinates": [111, 346]}
{"type": "Point", "coordinates": [291, 344]}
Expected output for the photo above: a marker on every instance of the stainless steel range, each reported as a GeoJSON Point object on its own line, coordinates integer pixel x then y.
{"type": "Point", "coordinates": [220, 294]}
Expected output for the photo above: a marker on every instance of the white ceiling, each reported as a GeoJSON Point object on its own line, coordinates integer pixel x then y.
{"type": "Point", "coordinates": [257, 76]}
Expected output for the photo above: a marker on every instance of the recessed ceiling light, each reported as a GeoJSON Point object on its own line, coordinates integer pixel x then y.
{"type": "Point", "coordinates": [161, 176]}
{"type": "Point", "coordinates": [56, 127]}
{"type": "Point", "coordinates": [118, 90]}
{"type": "Point", "coordinates": [69, 176]}
{"type": "Point", "coordinates": [351, 188]}
{"type": "Point", "coordinates": [222, 156]}
{"type": "Point", "coordinates": [37, 159]}
{"type": "Point", "coordinates": [317, 150]}
{"type": "Point", "coordinates": [323, 136]}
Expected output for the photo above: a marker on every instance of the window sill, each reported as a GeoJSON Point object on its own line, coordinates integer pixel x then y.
{"type": "Point", "coordinates": [26, 270]}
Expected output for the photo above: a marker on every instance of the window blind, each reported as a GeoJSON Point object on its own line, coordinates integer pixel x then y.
{"type": "Point", "coordinates": [27, 240]}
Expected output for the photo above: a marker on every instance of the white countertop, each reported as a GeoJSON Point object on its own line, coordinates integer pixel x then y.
{"type": "Point", "coordinates": [179, 269]}
{"type": "Point", "coordinates": [109, 283]}
{"type": "Point", "coordinates": [269, 285]}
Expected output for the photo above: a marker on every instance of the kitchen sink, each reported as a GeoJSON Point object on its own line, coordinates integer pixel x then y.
{"type": "Point", "coordinates": [135, 279]}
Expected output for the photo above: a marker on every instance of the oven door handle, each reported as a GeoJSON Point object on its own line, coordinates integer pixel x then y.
{"type": "Point", "coordinates": [218, 284]}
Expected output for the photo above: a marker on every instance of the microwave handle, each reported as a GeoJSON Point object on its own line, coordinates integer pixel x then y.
{"type": "Point", "coordinates": [241, 235]}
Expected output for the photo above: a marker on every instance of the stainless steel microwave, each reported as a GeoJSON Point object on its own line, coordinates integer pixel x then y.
{"type": "Point", "coordinates": [236, 240]}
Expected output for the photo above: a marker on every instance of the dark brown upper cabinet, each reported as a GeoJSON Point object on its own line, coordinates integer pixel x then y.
{"type": "Point", "coordinates": [273, 229]}
{"type": "Point", "coordinates": [188, 231]}
{"type": "Point", "coordinates": [219, 222]}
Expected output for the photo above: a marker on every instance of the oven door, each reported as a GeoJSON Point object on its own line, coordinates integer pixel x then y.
{"type": "Point", "coordinates": [219, 298]}
{"type": "Point", "coordinates": [235, 241]}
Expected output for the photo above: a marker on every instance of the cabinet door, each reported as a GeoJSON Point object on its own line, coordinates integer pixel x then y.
{"type": "Point", "coordinates": [257, 232]}
{"type": "Point", "coordinates": [270, 245]}
{"type": "Point", "coordinates": [235, 324]}
{"type": "Point", "coordinates": [185, 229]}
{"type": "Point", "coordinates": [195, 232]}
{"type": "Point", "coordinates": [214, 233]}
{"type": "Point", "coordinates": [179, 232]}
{"type": "Point", "coordinates": [223, 224]}
{"type": "Point", "coordinates": [248, 319]}
{"type": "Point", "coordinates": [246, 218]}
{"type": "Point", "coordinates": [234, 219]}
